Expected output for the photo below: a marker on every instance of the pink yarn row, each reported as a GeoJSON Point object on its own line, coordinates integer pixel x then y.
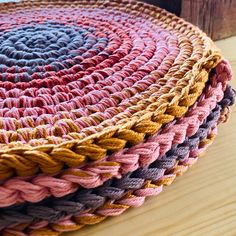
{"type": "Point", "coordinates": [36, 189]}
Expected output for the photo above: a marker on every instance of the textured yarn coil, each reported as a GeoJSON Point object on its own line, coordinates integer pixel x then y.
{"type": "Point", "coordinates": [102, 103]}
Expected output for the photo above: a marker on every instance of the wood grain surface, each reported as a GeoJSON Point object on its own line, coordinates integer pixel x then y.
{"type": "Point", "coordinates": [215, 17]}
{"type": "Point", "coordinates": [202, 202]}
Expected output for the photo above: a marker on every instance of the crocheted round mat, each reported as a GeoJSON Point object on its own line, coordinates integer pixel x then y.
{"type": "Point", "coordinates": [102, 103]}
{"type": "Point", "coordinates": [83, 79]}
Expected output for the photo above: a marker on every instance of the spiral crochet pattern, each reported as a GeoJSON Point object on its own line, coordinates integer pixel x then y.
{"type": "Point", "coordinates": [102, 103]}
{"type": "Point", "coordinates": [82, 80]}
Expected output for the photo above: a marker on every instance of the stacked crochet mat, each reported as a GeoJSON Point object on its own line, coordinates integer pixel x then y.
{"type": "Point", "coordinates": [102, 104]}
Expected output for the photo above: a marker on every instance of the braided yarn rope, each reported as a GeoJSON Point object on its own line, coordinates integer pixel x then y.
{"type": "Point", "coordinates": [148, 186]}
{"type": "Point", "coordinates": [102, 103]}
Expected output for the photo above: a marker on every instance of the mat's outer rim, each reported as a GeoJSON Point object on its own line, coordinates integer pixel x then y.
{"type": "Point", "coordinates": [57, 229]}
{"type": "Point", "coordinates": [213, 93]}
{"type": "Point", "coordinates": [210, 123]}
{"type": "Point", "coordinates": [180, 152]}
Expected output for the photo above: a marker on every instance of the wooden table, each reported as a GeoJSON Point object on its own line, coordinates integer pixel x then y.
{"type": "Point", "coordinates": [201, 202]}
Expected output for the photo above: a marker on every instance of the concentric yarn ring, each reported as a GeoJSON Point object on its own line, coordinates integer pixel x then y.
{"type": "Point", "coordinates": [90, 77]}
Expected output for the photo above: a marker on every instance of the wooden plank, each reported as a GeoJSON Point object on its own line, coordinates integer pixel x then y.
{"type": "Point", "coordinates": [215, 17]}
